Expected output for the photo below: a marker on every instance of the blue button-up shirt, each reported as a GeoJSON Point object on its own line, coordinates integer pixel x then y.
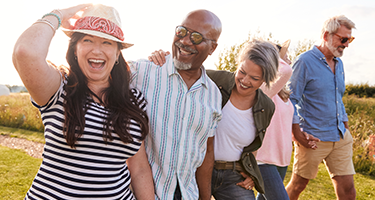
{"type": "Point", "coordinates": [317, 96]}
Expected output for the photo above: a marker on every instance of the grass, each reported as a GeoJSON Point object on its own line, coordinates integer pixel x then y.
{"type": "Point", "coordinates": [17, 111]}
{"type": "Point", "coordinates": [321, 187]}
{"type": "Point", "coordinates": [17, 171]}
{"type": "Point", "coordinates": [34, 136]}
{"type": "Point", "coordinates": [361, 114]}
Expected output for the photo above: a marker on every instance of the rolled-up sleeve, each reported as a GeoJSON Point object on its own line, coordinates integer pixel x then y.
{"type": "Point", "coordinates": [297, 86]}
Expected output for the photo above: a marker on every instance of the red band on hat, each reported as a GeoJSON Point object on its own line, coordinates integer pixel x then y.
{"type": "Point", "coordinates": [99, 24]}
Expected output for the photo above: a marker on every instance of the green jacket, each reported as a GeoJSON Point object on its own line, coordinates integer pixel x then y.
{"type": "Point", "coordinates": [262, 111]}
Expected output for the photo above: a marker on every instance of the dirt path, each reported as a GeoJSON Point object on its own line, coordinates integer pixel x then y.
{"type": "Point", "coordinates": [34, 149]}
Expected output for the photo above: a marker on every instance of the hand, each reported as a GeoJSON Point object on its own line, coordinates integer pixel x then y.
{"type": "Point", "coordinates": [248, 183]}
{"type": "Point", "coordinates": [158, 57]}
{"type": "Point", "coordinates": [303, 138]}
{"type": "Point", "coordinates": [71, 13]}
{"type": "Point", "coordinates": [311, 140]}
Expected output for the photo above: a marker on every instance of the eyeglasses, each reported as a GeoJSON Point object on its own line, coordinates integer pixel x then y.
{"type": "Point", "coordinates": [278, 47]}
{"type": "Point", "coordinates": [195, 37]}
{"type": "Point", "coordinates": [345, 39]}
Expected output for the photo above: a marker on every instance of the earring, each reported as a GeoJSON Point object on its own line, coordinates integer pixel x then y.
{"type": "Point", "coordinates": [117, 62]}
{"type": "Point", "coordinates": [75, 57]}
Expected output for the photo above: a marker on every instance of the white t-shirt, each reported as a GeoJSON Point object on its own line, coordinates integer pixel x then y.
{"type": "Point", "coordinates": [235, 131]}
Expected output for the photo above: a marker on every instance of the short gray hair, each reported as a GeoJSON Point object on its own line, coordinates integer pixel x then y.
{"type": "Point", "coordinates": [332, 24]}
{"type": "Point", "coordinates": [263, 54]}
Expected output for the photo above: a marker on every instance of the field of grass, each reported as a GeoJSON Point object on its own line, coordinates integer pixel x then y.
{"type": "Point", "coordinates": [321, 187]}
{"type": "Point", "coordinates": [34, 136]}
{"type": "Point", "coordinates": [17, 111]}
{"type": "Point", "coordinates": [361, 114]}
{"type": "Point", "coordinates": [17, 171]}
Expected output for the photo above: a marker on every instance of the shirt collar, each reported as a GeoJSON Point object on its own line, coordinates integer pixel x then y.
{"type": "Point", "coordinates": [173, 71]}
{"type": "Point", "coordinates": [319, 54]}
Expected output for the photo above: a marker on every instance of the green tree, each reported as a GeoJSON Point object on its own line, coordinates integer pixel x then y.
{"type": "Point", "coordinates": [227, 58]}
{"type": "Point", "coordinates": [301, 47]}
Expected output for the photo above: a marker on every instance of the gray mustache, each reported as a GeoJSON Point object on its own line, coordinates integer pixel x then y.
{"type": "Point", "coordinates": [179, 44]}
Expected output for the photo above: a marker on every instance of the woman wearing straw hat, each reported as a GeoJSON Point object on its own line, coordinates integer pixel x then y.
{"type": "Point", "coordinates": [94, 123]}
{"type": "Point", "coordinates": [274, 156]}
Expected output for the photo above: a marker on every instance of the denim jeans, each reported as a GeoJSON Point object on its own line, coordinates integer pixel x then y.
{"type": "Point", "coordinates": [224, 186]}
{"type": "Point", "coordinates": [273, 177]}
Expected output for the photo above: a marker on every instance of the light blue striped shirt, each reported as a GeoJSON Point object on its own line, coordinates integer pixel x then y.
{"type": "Point", "coordinates": [181, 120]}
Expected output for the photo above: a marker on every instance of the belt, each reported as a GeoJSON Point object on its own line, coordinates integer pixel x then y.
{"type": "Point", "coordinates": [228, 165]}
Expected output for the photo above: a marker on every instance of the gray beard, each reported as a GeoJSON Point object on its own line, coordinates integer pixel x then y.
{"type": "Point", "coordinates": [333, 49]}
{"type": "Point", "coordinates": [180, 65]}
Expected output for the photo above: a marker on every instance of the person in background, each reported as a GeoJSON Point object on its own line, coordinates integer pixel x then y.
{"type": "Point", "coordinates": [184, 109]}
{"type": "Point", "coordinates": [94, 122]}
{"type": "Point", "coordinates": [317, 86]}
{"type": "Point", "coordinates": [275, 154]}
{"type": "Point", "coordinates": [247, 112]}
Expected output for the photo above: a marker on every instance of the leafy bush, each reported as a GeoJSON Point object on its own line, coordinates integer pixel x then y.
{"type": "Point", "coordinates": [361, 90]}
{"type": "Point", "coordinates": [227, 58]}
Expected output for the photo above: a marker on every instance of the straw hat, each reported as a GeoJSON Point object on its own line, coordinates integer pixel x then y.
{"type": "Point", "coordinates": [101, 21]}
{"type": "Point", "coordinates": [284, 48]}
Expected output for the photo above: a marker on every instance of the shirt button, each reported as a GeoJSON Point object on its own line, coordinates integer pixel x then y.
{"type": "Point", "coordinates": [338, 114]}
{"type": "Point", "coordinates": [337, 101]}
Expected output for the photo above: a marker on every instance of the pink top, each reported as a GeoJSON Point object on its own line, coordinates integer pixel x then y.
{"type": "Point", "coordinates": [277, 144]}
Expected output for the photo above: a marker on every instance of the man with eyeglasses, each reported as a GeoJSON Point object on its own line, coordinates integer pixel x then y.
{"type": "Point", "coordinates": [184, 106]}
{"type": "Point", "coordinates": [317, 87]}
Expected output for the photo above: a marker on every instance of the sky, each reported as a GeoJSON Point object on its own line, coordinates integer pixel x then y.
{"type": "Point", "coordinates": [150, 24]}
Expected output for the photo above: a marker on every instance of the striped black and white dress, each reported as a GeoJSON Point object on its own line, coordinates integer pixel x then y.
{"type": "Point", "coordinates": [95, 169]}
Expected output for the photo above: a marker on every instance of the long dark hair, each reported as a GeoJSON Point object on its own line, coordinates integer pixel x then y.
{"type": "Point", "coordinates": [118, 98]}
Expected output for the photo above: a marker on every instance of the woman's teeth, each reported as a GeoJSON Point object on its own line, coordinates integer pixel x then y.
{"type": "Point", "coordinates": [97, 64]}
{"type": "Point", "coordinates": [242, 85]}
{"type": "Point", "coordinates": [96, 61]}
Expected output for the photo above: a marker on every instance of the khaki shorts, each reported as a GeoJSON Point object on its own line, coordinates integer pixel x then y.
{"type": "Point", "coordinates": [337, 157]}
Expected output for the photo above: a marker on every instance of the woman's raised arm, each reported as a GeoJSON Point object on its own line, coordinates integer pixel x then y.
{"type": "Point", "coordinates": [285, 72]}
{"type": "Point", "coordinates": [41, 79]}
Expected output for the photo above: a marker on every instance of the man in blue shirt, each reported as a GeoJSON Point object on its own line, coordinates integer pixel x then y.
{"type": "Point", "coordinates": [318, 84]}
